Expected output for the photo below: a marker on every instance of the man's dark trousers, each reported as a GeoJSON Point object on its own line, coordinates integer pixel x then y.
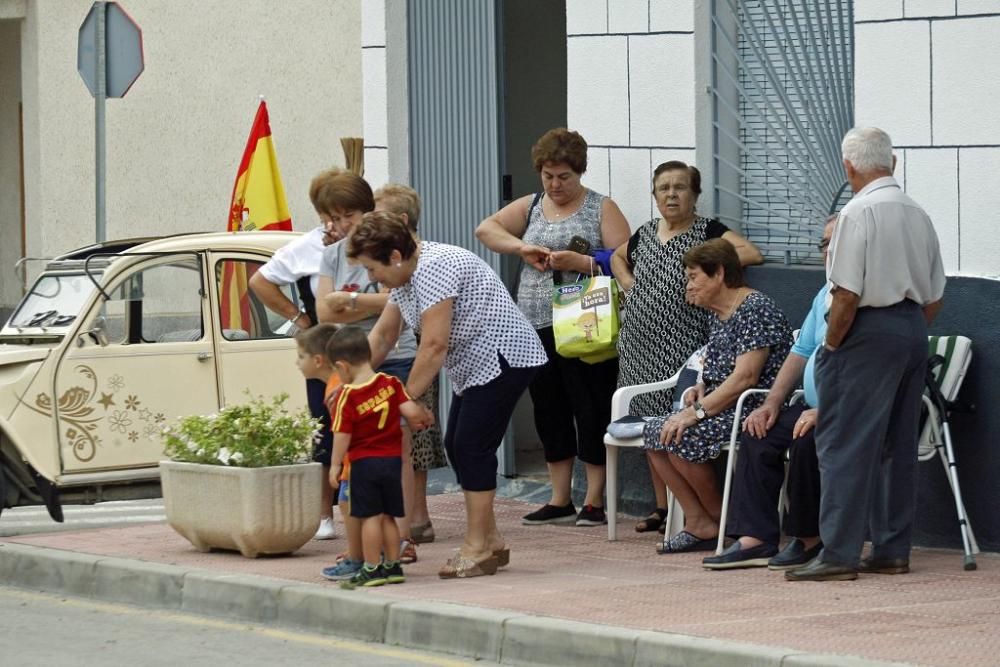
{"type": "Point", "coordinates": [760, 471]}
{"type": "Point", "coordinates": [866, 438]}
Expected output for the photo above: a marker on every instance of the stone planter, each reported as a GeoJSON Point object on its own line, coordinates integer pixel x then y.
{"type": "Point", "coordinates": [256, 511]}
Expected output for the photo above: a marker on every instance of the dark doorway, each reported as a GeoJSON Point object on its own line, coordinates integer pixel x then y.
{"type": "Point", "coordinates": [532, 59]}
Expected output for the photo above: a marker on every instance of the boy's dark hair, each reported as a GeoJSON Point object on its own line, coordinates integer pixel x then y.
{"type": "Point", "coordinates": [349, 344]}
{"type": "Point", "coordinates": [314, 339]}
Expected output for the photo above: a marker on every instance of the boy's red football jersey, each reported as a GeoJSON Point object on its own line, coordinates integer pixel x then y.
{"type": "Point", "coordinates": [370, 413]}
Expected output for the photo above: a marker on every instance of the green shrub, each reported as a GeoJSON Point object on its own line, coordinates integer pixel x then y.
{"type": "Point", "coordinates": [250, 435]}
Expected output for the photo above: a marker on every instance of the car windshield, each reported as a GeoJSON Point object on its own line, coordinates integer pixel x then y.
{"type": "Point", "coordinates": [53, 302]}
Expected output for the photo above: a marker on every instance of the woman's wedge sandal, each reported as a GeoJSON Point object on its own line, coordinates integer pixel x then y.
{"type": "Point", "coordinates": [652, 522]}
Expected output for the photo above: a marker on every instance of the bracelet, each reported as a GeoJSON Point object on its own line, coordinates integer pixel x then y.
{"type": "Point", "coordinates": [354, 300]}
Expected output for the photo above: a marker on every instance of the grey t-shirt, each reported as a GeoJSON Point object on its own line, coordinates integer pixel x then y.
{"type": "Point", "coordinates": [349, 277]}
{"type": "Point", "coordinates": [534, 292]}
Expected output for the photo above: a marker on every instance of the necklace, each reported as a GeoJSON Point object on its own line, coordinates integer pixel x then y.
{"type": "Point", "coordinates": [736, 299]}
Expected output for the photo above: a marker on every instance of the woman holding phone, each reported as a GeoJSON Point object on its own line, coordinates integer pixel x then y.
{"type": "Point", "coordinates": [572, 399]}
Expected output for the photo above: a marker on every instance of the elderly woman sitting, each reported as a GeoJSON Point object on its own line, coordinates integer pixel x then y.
{"type": "Point", "coordinates": [748, 340]}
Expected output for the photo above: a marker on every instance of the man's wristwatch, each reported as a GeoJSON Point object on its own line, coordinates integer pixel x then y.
{"type": "Point", "coordinates": [354, 300]}
{"type": "Point", "coordinates": [302, 311]}
{"type": "Point", "coordinates": [699, 410]}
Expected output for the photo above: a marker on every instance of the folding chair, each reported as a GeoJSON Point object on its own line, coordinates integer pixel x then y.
{"type": "Point", "coordinates": [949, 359]}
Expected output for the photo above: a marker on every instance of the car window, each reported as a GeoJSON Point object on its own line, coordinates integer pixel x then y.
{"type": "Point", "coordinates": [242, 315]}
{"type": "Point", "coordinates": [158, 304]}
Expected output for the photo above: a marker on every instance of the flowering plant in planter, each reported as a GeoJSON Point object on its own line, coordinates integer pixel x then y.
{"type": "Point", "coordinates": [255, 434]}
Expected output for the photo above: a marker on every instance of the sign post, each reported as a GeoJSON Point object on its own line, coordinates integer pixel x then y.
{"type": "Point", "coordinates": [109, 59]}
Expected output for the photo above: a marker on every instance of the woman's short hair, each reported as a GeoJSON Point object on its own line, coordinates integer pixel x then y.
{"type": "Point", "coordinates": [345, 191]}
{"type": "Point", "coordinates": [314, 339]}
{"type": "Point", "coordinates": [714, 254]}
{"type": "Point", "coordinates": [319, 181]}
{"type": "Point", "coordinates": [378, 234]}
{"type": "Point", "coordinates": [349, 344]}
{"type": "Point", "coordinates": [401, 199]}
{"type": "Point", "coordinates": [560, 145]}
{"type": "Point", "coordinates": [694, 176]}
{"type": "Point", "coordinates": [868, 149]}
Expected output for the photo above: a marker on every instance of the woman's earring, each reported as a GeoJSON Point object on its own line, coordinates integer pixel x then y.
{"type": "Point", "coordinates": [398, 264]}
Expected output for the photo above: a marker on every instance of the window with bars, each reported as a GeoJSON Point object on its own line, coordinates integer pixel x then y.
{"type": "Point", "coordinates": [782, 98]}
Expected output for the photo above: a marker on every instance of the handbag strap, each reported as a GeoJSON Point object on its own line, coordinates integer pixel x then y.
{"type": "Point", "coordinates": [534, 203]}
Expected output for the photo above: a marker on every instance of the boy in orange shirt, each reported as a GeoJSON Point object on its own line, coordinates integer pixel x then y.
{"type": "Point", "coordinates": [313, 364]}
{"type": "Point", "coordinates": [366, 427]}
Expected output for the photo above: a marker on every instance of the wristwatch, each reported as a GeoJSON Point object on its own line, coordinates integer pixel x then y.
{"type": "Point", "coordinates": [354, 300]}
{"type": "Point", "coordinates": [699, 410]}
{"type": "Point", "coordinates": [302, 311]}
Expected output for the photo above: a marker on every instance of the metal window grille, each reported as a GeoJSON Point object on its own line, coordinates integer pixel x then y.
{"type": "Point", "coordinates": [783, 97]}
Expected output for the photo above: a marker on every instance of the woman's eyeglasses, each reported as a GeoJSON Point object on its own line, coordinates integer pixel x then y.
{"type": "Point", "coordinates": [823, 245]}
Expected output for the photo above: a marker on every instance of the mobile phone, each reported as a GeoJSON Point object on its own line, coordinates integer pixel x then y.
{"type": "Point", "coordinates": [579, 244]}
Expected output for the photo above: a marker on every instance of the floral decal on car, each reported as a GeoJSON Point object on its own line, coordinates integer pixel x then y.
{"type": "Point", "coordinates": [83, 409]}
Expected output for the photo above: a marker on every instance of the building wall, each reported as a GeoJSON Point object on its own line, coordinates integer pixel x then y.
{"type": "Point", "coordinates": [928, 72]}
{"type": "Point", "coordinates": [175, 141]}
{"type": "Point", "coordinates": [631, 92]}
{"type": "Point", "coordinates": [10, 168]}
{"type": "Point", "coordinates": [374, 92]}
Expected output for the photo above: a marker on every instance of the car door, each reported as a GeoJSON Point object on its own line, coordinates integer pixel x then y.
{"type": "Point", "coordinates": [255, 348]}
{"type": "Point", "coordinates": [153, 361]}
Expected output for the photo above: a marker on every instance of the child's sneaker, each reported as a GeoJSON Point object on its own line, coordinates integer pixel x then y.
{"type": "Point", "coordinates": [343, 569]}
{"type": "Point", "coordinates": [326, 530]}
{"type": "Point", "coordinates": [365, 577]}
{"type": "Point", "coordinates": [393, 573]}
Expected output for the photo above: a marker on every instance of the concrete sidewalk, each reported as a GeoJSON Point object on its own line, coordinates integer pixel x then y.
{"type": "Point", "coordinates": [568, 597]}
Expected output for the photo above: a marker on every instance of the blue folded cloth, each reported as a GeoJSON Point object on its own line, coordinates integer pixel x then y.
{"type": "Point", "coordinates": [627, 427]}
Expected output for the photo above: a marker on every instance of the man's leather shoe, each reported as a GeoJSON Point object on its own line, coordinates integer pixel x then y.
{"type": "Point", "coordinates": [793, 555]}
{"type": "Point", "coordinates": [884, 565]}
{"type": "Point", "coordinates": [817, 570]}
{"type": "Point", "coordinates": [735, 557]}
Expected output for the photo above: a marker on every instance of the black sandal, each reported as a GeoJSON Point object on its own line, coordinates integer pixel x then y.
{"type": "Point", "coordinates": [654, 521]}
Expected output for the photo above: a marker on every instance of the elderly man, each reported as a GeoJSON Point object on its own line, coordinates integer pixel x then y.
{"type": "Point", "coordinates": [887, 281]}
{"type": "Point", "coordinates": [768, 433]}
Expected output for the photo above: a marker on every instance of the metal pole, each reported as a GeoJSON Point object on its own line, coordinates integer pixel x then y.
{"type": "Point", "coordinates": [100, 97]}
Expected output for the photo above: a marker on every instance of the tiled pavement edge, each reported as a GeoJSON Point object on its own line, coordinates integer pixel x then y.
{"type": "Point", "coordinates": [473, 632]}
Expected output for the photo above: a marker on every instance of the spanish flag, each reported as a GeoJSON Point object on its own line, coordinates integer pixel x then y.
{"type": "Point", "coordinates": [258, 200]}
{"type": "Point", "coordinates": [258, 203]}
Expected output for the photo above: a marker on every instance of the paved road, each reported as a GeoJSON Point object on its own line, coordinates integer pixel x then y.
{"type": "Point", "coordinates": [36, 519]}
{"type": "Point", "coordinates": [42, 629]}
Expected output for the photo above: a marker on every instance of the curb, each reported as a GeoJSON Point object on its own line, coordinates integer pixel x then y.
{"type": "Point", "coordinates": [477, 633]}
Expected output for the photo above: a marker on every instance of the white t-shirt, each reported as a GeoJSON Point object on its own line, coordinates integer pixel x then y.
{"type": "Point", "coordinates": [348, 277]}
{"type": "Point", "coordinates": [295, 260]}
{"type": "Point", "coordinates": [485, 320]}
{"type": "Point", "coordinates": [885, 249]}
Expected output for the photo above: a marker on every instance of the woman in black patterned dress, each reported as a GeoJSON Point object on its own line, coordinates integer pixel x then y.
{"type": "Point", "coordinates": [660, 329]}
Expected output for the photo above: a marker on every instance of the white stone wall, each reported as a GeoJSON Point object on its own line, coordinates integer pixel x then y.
{"type": "Point", "coordinates": [929, 74]}
{"type": "Point", "coordinates": [374, 92]}
{"type": "Point", "coordinates": [631, 92]}
{"type": "Point", "coordinates": [175, 141]}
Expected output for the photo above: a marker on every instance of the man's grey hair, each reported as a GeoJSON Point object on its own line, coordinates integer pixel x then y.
{"type": "Point", "coordinates": [868, 149]}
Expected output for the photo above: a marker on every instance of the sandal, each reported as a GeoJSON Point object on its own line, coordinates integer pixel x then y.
{"type": "Point", "coordinates": [422, 533]}
{"type": "Point", "coordinates": [407, 552]}
{"type": "Point", "coordinates": [463, 567]}
{"type": "Point", "coordinates": [654, 521]}
{"type": "Point", "coordinates": [684, 542]}
{"type": "Point", "coordinates": [502, 555]}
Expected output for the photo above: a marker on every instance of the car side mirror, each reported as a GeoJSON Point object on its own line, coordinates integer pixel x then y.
{"type": "Point", "coordinates": [96, 333]}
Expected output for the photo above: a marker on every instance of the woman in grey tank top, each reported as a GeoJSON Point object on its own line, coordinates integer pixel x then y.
{"type": "Point", "coordinates": [572, 399]}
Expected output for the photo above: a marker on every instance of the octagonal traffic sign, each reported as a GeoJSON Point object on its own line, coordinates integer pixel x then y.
{"type": "Point", "coordinates": [123, 61]}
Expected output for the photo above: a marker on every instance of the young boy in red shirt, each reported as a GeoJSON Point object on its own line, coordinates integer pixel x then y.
{"type": "Point", "coordinates": [366, 426]}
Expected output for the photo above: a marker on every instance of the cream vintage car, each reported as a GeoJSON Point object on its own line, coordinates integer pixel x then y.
{"type": "Point", "coordinates": [113, 342]}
